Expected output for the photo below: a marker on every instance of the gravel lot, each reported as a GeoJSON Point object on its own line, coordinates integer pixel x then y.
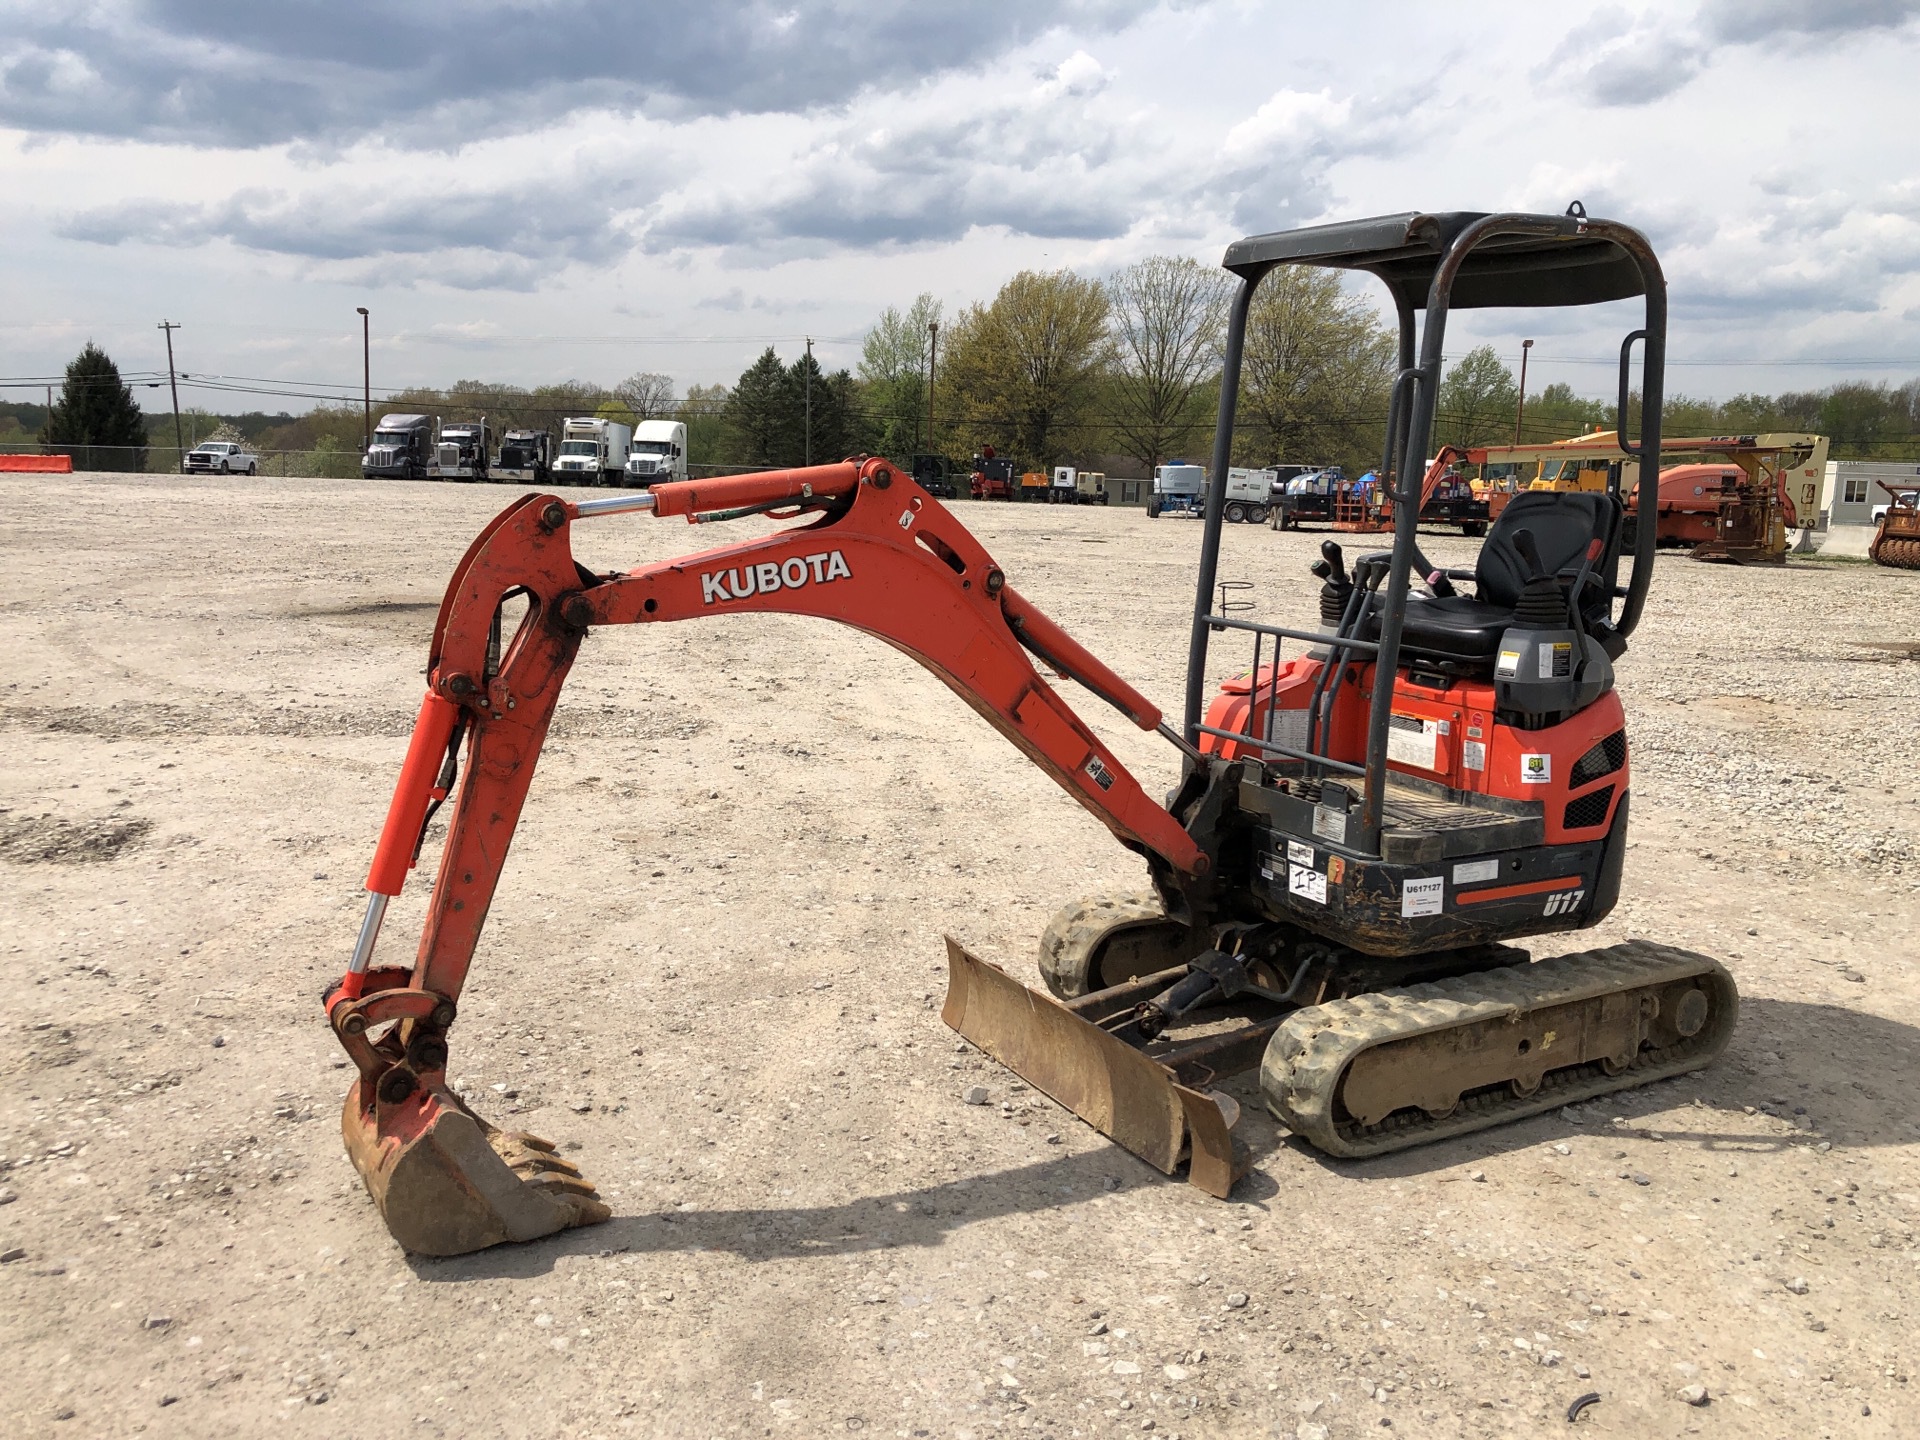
{"type": "Point", "coordinates": [715, 966]}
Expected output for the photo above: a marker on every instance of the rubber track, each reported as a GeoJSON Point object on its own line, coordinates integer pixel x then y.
{"type": "Point", "coordinates": [1076, 930]}
{"type": "Point", "coordinates": [1307, 1057]}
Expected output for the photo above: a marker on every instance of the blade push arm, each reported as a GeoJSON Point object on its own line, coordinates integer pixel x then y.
{"type": "Point", "coordinates": [874, 551]}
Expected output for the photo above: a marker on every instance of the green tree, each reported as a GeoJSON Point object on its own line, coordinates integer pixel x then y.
{"type": "Point", "coordinates": [893, 373]}
{"type": "Point", "coordinates": [829, 426]}
{"type": "Point", "coordinates": [96, 410]}
{"type": "Point", "coordinates": [1025, 371]}
{"type": "Point", "coordinates": [704, 412]}
{"type": "Point", "coordinates": [1556, 413]}
{"type": "Point", "coordinates": [1477, 401]}
{"type": "Point", "coordinates": [1315, 375]}
{"type": "Point", "coordinates": [759, 416]}
{"type": "Point", "coordinates": [1167, 314]}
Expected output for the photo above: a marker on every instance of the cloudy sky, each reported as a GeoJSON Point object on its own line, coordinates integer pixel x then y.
{"type": "Point", "coordinates": [534, 190]}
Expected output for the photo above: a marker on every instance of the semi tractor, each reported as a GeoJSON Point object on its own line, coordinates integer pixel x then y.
{"type": "Point", "coordinates": [659, 453]}
{"type": "Point", "coordinates": [525, 455]}
{"type": "Point", "coordinates": [461, 453]}
{"type": "Point", "coordinates": [593, 451]}
{"type": "Point", "coordinates": [400, 449]}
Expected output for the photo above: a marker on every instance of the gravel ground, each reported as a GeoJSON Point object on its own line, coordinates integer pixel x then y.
{"type": "Point", "coordinates": [715, 968]}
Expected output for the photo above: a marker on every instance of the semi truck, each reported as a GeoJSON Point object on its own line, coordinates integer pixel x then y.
{"type": "Point", "coordinates": [525, 455]}
{"type": "Point", "coordinates": [461, 453]}
{"type": "Point", "coordinates": [659, 453]}
{"type": "Point", "coordinates": [593, 451]}
{"type": "Point", "coordinates": [400, 449]}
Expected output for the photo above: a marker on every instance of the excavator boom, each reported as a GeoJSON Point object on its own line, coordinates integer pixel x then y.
{"type": "Point", "coordinates": [870, 549]}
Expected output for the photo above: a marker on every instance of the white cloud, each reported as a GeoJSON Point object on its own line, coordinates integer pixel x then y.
{"type": "Point", "coordinates": [168, 156]}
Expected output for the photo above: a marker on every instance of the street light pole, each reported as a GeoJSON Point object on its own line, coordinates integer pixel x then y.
{"type": "Point", "coordinates": [1525, 347]}
{"type": "Point", "coordinates": [366, 378]}
{"type": "Point", "coordinates": [178, 444]}
{"type": "Point", "coordinates": [933, 350]}
{"type": "Point", "coordinates": [809, 439]}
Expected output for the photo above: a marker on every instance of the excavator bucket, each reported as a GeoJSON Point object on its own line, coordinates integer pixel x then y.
{"type": "Point", "coordinates": [1120, 1091]}
{"type": "Point", "coordinates": [448, 1183]}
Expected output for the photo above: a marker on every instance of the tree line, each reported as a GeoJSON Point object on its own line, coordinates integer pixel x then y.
{"type": "Point", "coordinates": [1057, 368]}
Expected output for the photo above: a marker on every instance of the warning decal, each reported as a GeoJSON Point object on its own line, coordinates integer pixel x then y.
{"type": "Point", "coordinates": [1413, 741]}
{"type": "Point", "coordinates": [1307, 884]}
{"type": "Point", "coordinates": [1556, 660]}
{"type": "Point", "coordinates": [1536, 769]}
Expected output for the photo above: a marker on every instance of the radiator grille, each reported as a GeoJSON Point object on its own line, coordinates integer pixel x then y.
{"type": "Point", "coordinates": [1603, 759]}
{"type": "Point", "coordinates": [1589, 810]}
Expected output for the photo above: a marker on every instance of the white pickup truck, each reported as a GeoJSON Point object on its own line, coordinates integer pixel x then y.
{"type": "Point", "coordinates": [222, 457]}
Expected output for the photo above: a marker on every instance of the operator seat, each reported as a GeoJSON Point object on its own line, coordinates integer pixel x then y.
{"type": "Point", "coordinates": [1565, 525]}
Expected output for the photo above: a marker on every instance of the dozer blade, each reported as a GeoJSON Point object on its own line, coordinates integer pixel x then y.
{"type": "Point", "coordinates": [448, 1183]}
{"type": "Point", "coordinates": [1121, 1092]}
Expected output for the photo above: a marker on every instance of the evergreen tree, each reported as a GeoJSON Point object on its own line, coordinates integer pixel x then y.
{"type": "Point", "coordinates": [761, 428]}
{"type": "Point", "coordinates": [95, 409]}
{"type": "Point", "coordinates": [837, 427]}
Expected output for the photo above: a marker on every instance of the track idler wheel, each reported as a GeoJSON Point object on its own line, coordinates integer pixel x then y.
{"type": "Point", "coordinates": [447, 1182]}
{"type": "Point", "coordinates": [1105, 940]}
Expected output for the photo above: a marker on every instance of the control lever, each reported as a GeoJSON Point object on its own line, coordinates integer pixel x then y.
{"type": "Point", "coordinates": [1335, 563]}
{"type": "Point", "coordinates": [1529, 552]}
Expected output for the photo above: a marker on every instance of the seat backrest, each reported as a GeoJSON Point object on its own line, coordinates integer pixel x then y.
{"type": "Point", "coordinates": [1564, 523]}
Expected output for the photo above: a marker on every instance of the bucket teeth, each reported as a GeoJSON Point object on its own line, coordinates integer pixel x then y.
{"type": "Point", "coordinates": [448, 1183]}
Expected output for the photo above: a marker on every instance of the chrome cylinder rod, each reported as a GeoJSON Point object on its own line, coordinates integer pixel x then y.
{"type": "Point", "coordinates": [612, 505]}
{"type": "Point", "coordinates": [369, 935]}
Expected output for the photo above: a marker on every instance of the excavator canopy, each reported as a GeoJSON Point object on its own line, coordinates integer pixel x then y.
{"type": "Point", "coordinates": [1569, 266]}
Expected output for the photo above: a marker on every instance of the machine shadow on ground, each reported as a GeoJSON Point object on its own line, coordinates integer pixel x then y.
{"type": "Point", "coordinates": [917, 1218]}
{"type": "Point", "coordinates": [1846, 1111]}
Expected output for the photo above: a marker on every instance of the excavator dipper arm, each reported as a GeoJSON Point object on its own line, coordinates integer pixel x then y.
{"type": "Point", "coordinates": [875, 552]}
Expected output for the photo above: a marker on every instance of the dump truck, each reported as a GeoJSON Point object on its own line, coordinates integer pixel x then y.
{"type": "Point", "coordinates": [1374, 818]}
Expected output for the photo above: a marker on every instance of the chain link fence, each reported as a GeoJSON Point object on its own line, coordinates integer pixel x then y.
{"type": "Point", "coordinates": [324, 462]}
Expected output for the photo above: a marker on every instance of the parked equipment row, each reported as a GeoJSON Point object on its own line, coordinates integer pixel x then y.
{"type": "Point", "coordinates": [591, 451]}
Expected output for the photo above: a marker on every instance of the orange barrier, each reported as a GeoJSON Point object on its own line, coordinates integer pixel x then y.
{"type": "Point", "coordinates": [39, 464]}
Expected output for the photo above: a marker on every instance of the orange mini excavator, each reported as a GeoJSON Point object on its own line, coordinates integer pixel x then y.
{"type": "Point", "coordinates": [1361, 829]}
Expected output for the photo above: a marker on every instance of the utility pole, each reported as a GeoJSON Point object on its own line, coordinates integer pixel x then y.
{"type": "Point", "coordinates": [179, 444]}
{"type": "Point", "coordinates": [366, 379]}
{"type": "Point", "coordinates": [933, 348]}
{"type": "Point", "coordinates": [809, 441]}
{"type": "Point", "coordinates": [1520, 412]}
